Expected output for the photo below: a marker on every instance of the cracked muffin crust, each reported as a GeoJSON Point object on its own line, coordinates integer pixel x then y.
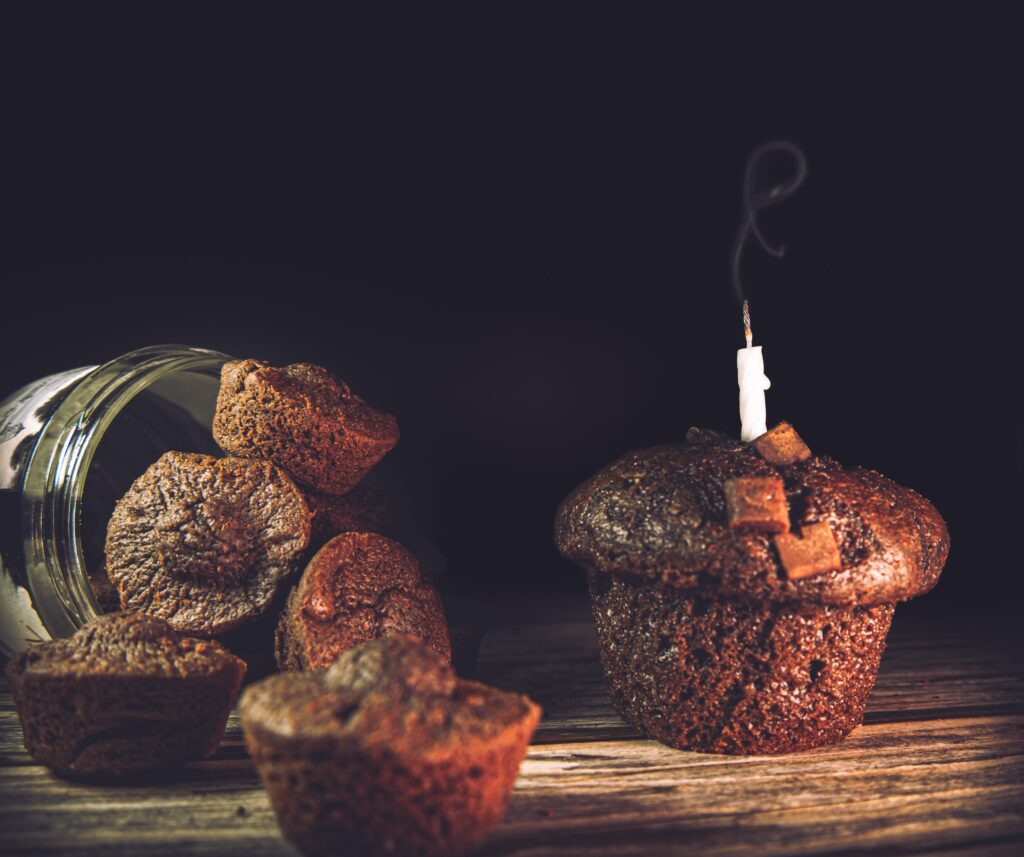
{"type": "Point", "coordinates": [358, 587]}
{"type": "Point", "coordinates": [387, 751]}
{"type": "Point", "coordinates": [303, 419]}
{"type": "Point", "coordinates": [206, 543]}
{"type": "Point", "coordinates": [660, 514]}
{"type": "Point", "coordinates": [125, 694]}
{"type": "Point", "coordinates": [717, 635]}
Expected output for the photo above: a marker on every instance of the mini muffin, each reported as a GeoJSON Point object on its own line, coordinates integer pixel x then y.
{"type": "Point", "coordinates": [125, 695]}
{"type": "Point", "coordinates": [358, 587]}
{"type": "Point", "coordinates": [206, 543]}
{"type": "Point", "coordinates": [361, 510]}
{"type": "Point", "coordinates": [386, 752]}
{"type": "Point", "coordinates": [743, 591]}
{"type": "Point", "coordinates": [303, 419]}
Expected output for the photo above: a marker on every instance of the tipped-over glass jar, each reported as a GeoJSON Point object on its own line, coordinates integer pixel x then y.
{"type": "Point", "coordinates": [70, 445]}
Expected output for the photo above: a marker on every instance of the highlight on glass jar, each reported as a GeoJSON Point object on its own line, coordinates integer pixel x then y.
{"type": "Point", "coordinates": [70, 445]}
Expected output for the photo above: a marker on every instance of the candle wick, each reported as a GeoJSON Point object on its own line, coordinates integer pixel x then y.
{"type": "Point", "coordinates": [747, 332]}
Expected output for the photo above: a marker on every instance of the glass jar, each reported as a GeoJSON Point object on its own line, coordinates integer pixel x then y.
{"type": "Point", "coordinates": [70, 445]}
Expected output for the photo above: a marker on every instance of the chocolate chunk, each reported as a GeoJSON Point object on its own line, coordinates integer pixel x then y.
{"type": "Point", "coordinates": [206, 543]}
{"type": "Point", "coordinates": [358, 587]}
{"type": "Point", "coordinates": [809, 552]}
{"type": "Point", "coordinates": [757, 503]}
{"type": "Point", "coordinates": [782, 445]}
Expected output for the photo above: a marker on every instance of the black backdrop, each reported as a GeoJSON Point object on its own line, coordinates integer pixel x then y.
{"type": "Point", "coordinates": [513, 232]}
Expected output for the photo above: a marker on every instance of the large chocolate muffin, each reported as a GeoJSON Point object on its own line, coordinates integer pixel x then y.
{"type": "Point", "coordinates": [206, 543]}
{"type": "Point", "coordinates": [743, 591]}
{"type": "Point", "coordinates": [358, 587]}
{"type": "Point", "coordinates": [386, 752]}
{"type": "Point", "coordinates": [303, 419]}
{"type": "Point", "coordinates": [124, 695]}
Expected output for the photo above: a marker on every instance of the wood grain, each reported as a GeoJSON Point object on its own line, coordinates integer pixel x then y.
{"type": "Point", "coordinates": [938, 767]}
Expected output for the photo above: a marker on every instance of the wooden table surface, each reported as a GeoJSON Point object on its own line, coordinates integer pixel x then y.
{"type": "Point", "coordinates": [938, 767]}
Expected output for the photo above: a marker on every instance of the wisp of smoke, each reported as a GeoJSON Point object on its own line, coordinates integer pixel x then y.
{"type": "Point", "coordinates": [754, 200]}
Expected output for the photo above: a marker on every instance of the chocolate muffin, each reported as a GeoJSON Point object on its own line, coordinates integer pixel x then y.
{"type": "Point", "coordinates": [386, 752]}
{"type": "Point", "coordinates": [206, 543]}
{"type": "Point", "coordinates": [361, 510]}
{"type": "Point", "coordinates": [124, 695]}
{"type": "Point", "coordinates": [303, 419]}
{"type": "Point", "coordinates": [358, 587]}
{"type": "Point", "coordinates": [743, 591]}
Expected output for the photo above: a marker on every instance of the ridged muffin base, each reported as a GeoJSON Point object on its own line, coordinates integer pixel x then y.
{"type": "Point", "coordinates": [724, 676]}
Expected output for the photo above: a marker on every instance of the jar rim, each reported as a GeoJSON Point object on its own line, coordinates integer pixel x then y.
{"type": "Point", "coordinates": [55, 475]}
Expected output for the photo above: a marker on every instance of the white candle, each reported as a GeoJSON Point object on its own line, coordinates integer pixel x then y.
{"type": "Point", "coordinates": [753, 383]}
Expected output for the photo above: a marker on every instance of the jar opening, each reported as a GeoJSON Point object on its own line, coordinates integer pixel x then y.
{"type": "Point", "coordinates": [117, 421]}
{"type": "Point", "coordinates": [175, 413]}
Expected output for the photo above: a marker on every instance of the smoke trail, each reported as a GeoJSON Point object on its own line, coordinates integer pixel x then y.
{"type": "Point", "coordinates": [754, 201]}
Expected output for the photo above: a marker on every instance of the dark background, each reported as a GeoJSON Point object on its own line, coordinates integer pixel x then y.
{"type": "Point", "coordinates": [513, 232]}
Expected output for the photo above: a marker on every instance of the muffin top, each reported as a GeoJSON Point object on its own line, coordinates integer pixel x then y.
{"type": "Point", "coordinates": [206, 543]}
{"type": "Point", "coordinates": [395, 695]}
{"type": "Point", "coordinates": [125, 644]}
{"type": "Point", "coordinates": [357, 587]}
{"type": "Point", "coordinates": [765, 520]}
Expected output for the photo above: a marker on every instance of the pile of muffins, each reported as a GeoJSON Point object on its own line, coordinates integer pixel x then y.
{"type": "Point", "coordinates": [742, 594]}
{"type": "Point", "coordinates": [279, 548]}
